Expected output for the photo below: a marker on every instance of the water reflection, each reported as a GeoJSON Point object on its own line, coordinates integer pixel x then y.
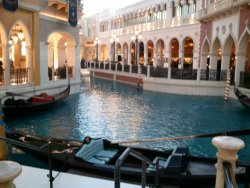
{"type": "Point", "coordinates": [117, 111]}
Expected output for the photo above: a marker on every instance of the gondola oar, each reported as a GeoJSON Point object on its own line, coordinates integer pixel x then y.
{"type": "Point", "coordinates": [229, 133]}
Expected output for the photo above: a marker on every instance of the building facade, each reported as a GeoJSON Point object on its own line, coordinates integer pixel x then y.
{"type": "Point", "coordinates": [38, 46]}
{"type": "Point", "coordinates": [201, 40]}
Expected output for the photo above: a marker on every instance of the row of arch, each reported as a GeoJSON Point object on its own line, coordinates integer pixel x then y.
{"type": "Point", "coordinates": [17, 65]}
{"type": "Point", "coordinates": [214, 55]}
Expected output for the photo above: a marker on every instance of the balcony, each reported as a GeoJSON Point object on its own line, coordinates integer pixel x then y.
{"type": "Point", "coordinates": [60, 4]}
{"type": "Point", "coordinates": [220, 7]}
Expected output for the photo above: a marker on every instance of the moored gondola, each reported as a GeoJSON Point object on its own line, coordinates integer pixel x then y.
{"type": "Point", "coordinates": [98, 157]}
{"type": "Point", "coordinates": [17, 107]}
{"type": "Point", "coordinates": [244, 99]}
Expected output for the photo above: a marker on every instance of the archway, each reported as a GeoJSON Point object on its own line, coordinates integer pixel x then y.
{"type": "Point", "coordinates": [119, 53]}
{"type": "Point", "coordinates": [215, 61]}
{"type": "Point", "coordinates": [205, 61]}
{"type": "Point", "coordinates": [242, 73]}
{"type": "Point", "coordinates": [104, 52]}
{"type": "Point", "coordinates": [61, 55]}
{"type": "Point", "coordinates": [188, 53]}
{"type": "Point", "coordinates": [150, 46]}
{"type": "Point", "coordinates": [160, 53]}
{"type": "Point", "coordinates": [174, 49]}
{"type": "Point", "coordinates": [20, 55]}
{"type": "Point", "coordinates": [228, 57]}
{"type": "Point", "coordinates": [141, 53]}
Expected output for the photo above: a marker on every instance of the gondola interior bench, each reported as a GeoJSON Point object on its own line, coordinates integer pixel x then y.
{"type": "Point", "coordinates": [175, 163]}
{"type": "Point", "coordinates": [94, 152]}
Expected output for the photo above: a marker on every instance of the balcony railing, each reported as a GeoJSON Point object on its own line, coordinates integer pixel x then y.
{"type": "Point", "coordinates": [220, 7]}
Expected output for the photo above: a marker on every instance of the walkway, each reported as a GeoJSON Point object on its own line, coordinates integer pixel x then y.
{"type": "Point", "coordinates": [34, 177]}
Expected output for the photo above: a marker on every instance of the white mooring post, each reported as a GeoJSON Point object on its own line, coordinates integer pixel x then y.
{"type": "Point", "coordinates": [227, 147]}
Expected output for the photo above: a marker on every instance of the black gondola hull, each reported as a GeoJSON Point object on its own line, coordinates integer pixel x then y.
{"type": "Point", "coordinates": [196, 171]}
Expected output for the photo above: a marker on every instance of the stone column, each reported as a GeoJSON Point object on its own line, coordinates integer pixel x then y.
{"type": "Point", "coordinates": [227, 147]}
{"type": "Point", "coordinates": [145, 54]}
{"type": "Point", "coordinates": [155, 63]}
{"type": "Point", "coordinates": [129, 55]}
{"type": "Point", "coordinates": [6, 65]}
{"type": "Point", "coordinates": [29, 61]}
{"type": "Point", "coordinates": [240, 67]}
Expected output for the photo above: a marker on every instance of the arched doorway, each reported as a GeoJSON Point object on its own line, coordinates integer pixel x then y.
{"type": "Point", "coordinates": [119, 53]}
{"type": "Point", "coordinates": [61, 55]}
{"type": "Point", "coordinates": [215, 61]}
{"type": "Point", "coordinates": [150, 46]}
{"type": "Point", "coordinates": [188, 53]}
{"type": "Point", "coordinates": [20, 55]}
{"type": "Point", "coordinates": [104, 52]}
{"type": "Point", "coordinates": [205, 61]}
{"type": "Point", "coordinates": [242, 73]}
{"type": "Point", "coordinates": [174, 55]}
{"type": "Point", "coordinates": [160, 53]}
{"type": "Point", "coordinates": [228, 58]}
{"type": "Point", "coordinates": [141, 53]}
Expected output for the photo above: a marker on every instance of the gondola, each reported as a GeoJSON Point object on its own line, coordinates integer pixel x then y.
{"type": "Point", "coordinates": [98, 157]}
{"type": "Point", "coordinates": [244, 99]}
{"type": "Point", "coordinates": [17, 107]}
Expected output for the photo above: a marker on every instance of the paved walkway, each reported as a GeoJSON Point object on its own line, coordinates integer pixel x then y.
{"type": "Point", "coordinates": [37, 178]}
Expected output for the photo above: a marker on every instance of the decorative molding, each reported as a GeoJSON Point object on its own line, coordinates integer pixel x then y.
{"type": "Point", "coordinates": [230, 26]}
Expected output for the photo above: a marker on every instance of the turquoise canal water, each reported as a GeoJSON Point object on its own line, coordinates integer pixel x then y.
{"type": "Point", "coordinates": [117, 111]}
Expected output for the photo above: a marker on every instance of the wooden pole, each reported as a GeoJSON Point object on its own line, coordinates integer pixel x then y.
{"type": "Point", "coordinates": [3, 147]}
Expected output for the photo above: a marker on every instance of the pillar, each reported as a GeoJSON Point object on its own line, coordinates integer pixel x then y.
{"type": "Point", "coordinates": [145, 54]}
{"type": "Point", "coordinates": [240, 67]}
{"type": "Point", "coordinates": [155, 63]}
{"type": "Point", "coordinates": [227, 147]}
{"type": "Point", "coordinates": [29, 61]}
{"type": "Point", "coordinates": [6, 65]}
{"type": "Point", "coordinates": [129, 55]}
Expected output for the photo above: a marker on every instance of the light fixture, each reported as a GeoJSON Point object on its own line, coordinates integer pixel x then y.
{"type": "Point", "coordinates": [20, 35]}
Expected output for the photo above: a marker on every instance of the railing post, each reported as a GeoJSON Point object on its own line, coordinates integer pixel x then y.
{"type": "Point", "coordinates": [227, 147]}
{"type": "Point", "coordinates": [143, 176]}
{"type": "Point", "coordinates": [50, 175]}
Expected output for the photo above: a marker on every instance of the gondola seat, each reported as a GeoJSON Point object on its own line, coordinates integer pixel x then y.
{"type": "Point", "coordinates": [175, 163]}
{"type": "Point", "coordinates": [94, 152]}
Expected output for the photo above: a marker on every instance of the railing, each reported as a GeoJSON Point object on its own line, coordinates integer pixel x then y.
{"type": "Point", "coordinates": [36, 148]}
{"type": "Point", "coordinates": [213, 75]}
{"type": "Point", "coordinates": [60, 73]}
{"type": "Point", "coordinates": [162, 72]}
{"type": "Point", "coordinates": [230, 181]}
{"type": "Point", "coordinates": [139, 156]}
{"type": "Point", "coordinates": [19, 75]}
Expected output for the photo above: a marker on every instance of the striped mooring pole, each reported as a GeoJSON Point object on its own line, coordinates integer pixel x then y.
{"type": "Point", "coordinates": [3, 147]}
{"type": "Point", "coordinates": [227, 86]}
